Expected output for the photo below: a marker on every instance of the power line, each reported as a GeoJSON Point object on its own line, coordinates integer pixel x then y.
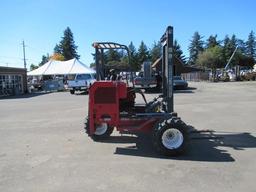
{"type": "Point", "coordinates": [7, 63]}
{"type": "Point", "coordinates": [10, 57]}
{"type": "Point", "coordinates": [11, 60]}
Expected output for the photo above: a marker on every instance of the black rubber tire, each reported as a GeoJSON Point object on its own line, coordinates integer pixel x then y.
{"type": "Point", "coordinates": [104, 136]}
{"type": "Point", "coordinates": [86, 125]}
{"type": "Point", "coordinates": [72, 91]}
{"type": "Point", "coordinates": [164, 125]}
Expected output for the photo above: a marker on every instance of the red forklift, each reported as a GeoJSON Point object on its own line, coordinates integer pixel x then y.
{"type": "Point", "coordinates": [112, 104]}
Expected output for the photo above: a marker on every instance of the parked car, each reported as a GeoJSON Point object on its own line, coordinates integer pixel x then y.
{"type": "Point", "coordinates": [80, 82]}
{"type": "Point", "coordinates": [179, 83]}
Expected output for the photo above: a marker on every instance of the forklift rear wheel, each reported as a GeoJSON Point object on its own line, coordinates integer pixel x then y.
{"type": "Point", "coordinates": [170, 137]}
{"type": "Point", "coordinates": [72, 91]}
{"type": "Point", "coordinates": [103, 131]}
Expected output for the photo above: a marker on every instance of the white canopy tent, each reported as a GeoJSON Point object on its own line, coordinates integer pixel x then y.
{"type": "Point", "coordinates": [69, 67]}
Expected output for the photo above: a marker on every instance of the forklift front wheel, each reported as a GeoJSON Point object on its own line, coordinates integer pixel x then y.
{"type": "Point", "coordinates": [170, 137]}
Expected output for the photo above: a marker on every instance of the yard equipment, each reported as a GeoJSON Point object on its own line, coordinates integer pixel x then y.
{"type": "Point", "coordinates": [112, 104]}
{"type": "Point", "coordinates": [146, 78]}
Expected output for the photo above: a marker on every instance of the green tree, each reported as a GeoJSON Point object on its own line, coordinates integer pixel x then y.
{"type": "Point", "coordinates": [33, 67]}
{"type": "Point", "coordinates": [225, 52]}
{"type": "Point", "coordinates": [241, 46]}
{"type": "Point", "coordinates": [132, 48]}
{"type": "Point", "coordinates": [212, 41]}
{"type": "Point", "coordinates": [45, 59]}
{"type": "Point", "coordinates": [251, 45]}
{"type": "Point", "coordinates": [93, 65]}
{"type": "Point", "coordinates": [195, 47]}
{"type": "Point", "coordinates": [211, 58]}
{"type": "Point", "coordinates": [143, 53]}
{"type": "Point", "coordinates": [228, 49]}
{"type": "Point", "coordinates": [67, 45]}
{"type": "Point", "coordinates": [112, 55]}
{"type": "Point", "coordinates": [178, 53]}
{"type": "Point", "coordinates": [133, 57]}
{"type": "Point", "coordinates": [156, 51]}
{"type": "Point", "coordinates": [244, 60]}
{"type": "Point", "coordinates": [57, 49]}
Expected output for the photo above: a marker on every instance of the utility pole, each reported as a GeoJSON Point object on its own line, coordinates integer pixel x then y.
{"type": "Point", "coordinates": [226, 67]}
{"type": "Point", "coordinates": [24, 55]}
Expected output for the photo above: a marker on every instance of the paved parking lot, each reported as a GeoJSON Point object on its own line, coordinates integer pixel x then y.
{"type": "Point", "coordinates": [43, 146]}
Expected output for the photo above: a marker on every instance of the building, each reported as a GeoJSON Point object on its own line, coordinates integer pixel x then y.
{"type": "Point", "coordinates": [178, 67]}
{"type": "Point", "coordinates": [13, 81]}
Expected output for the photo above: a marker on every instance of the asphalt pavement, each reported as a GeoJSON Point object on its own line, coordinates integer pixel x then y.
{"type": "Point", "coordinates": [43, 146]}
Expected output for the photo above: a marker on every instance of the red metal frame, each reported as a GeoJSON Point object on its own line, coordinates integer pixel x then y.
{"type": "Point", "coordinates": [103, 109]}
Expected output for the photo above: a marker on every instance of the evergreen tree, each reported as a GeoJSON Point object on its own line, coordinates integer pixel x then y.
{"type": "Point", "coordinates": [212, 41]}
{"type": "Point", "coordinates": [68, 46]}
{"type": "Point", "coordinates": [225, 51]}
{"type": "Point", "coordinates": [233, 41]}
{"type": "Point", "coordinates": [156, 51]}
{"type": "Point", "coordinates": [196, 46]}
{"type": "Point", "coordinates": [112, 55]}
{"type": "Point", "coordinates": [241, 46]}
{"type": "Point", "coordinates": [251, 45]}
{"type": "Point", "coordinates": [33, 67]}
{"type": "Point", "coordinates": [132, 48]}
{"type": "Point", "coordinates": [57, 49]}
{"type": "Point", "coordinates": [45, 59]}
{"type": "Point", "coordinates": [93, 65]}
{"type": "Point", "coordinates": [178, 53]}
{"type": "Point", "coordinates": [244, 60]}
{"type": "Point", "coordinates": [133, 57]}
{"type": "Point", "coordinates": [143, 53]}
{"type": "Point", "coordinates": [228, 49]}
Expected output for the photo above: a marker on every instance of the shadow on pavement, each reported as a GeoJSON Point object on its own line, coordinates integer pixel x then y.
{"type": "Point", "coordinates": [188, 90]}
{"type": "Point", "coordinates": [177, 90]}
{"type": "Point", "coordinates": [203, 146]}
{"type": "Point", "coordinates": [121, 139]}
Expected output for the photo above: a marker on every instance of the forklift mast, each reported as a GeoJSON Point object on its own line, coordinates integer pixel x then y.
{"type": "Point", "coordinates": [167, 67]}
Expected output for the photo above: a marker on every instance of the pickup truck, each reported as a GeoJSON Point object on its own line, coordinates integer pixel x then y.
{"type": "Point", "coordinates": [80, 82]}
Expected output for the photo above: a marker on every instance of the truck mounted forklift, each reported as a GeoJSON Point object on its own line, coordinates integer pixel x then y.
{"type": "Point", "coordinates": [112, 104]}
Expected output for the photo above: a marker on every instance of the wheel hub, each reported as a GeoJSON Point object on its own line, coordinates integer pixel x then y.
{"type": "Point", "coordinates": [101, 129]}
{"type": "Point", "coordinates": [172, 138]}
